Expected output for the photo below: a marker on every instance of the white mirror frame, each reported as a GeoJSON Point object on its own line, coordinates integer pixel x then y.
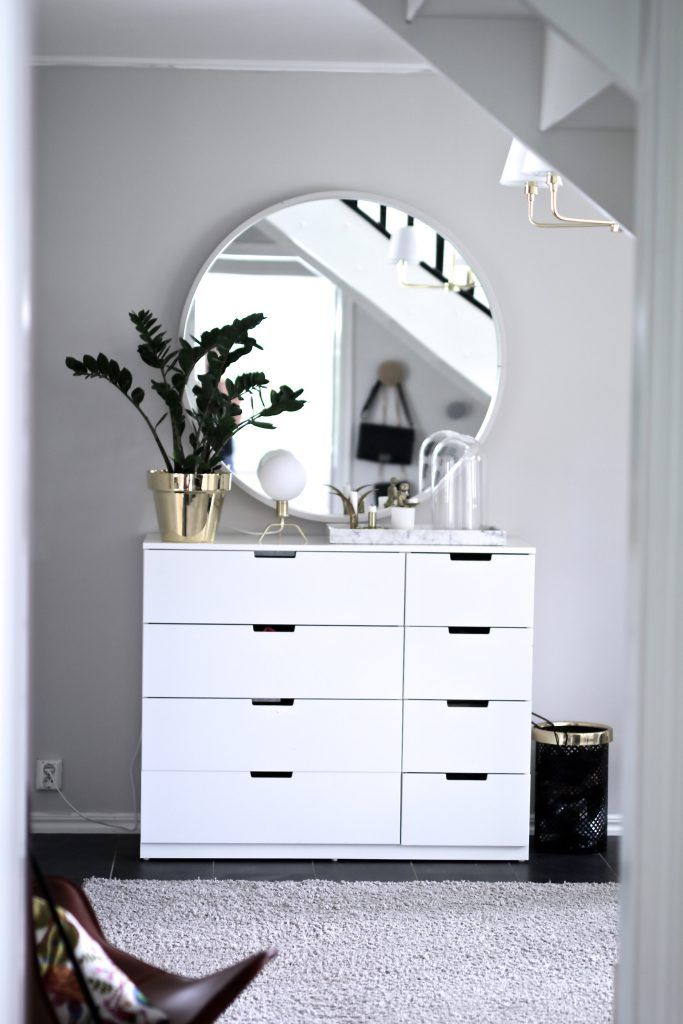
{"type": "Point", "coordinates": [399, 205]}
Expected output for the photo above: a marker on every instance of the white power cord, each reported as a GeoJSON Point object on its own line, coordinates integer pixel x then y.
{"type": "Point", "coordinates": [106, 824]}
{"type": "Point", "coordinates": [247, 533]}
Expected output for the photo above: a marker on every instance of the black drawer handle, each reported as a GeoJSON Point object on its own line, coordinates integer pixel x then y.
{"type": "Point", "coordinates": [479, 556]}
{"type": "Point", "coordinates": [279, 702]}
{"type": "Point", "coordinates": [466, 777]}
{"type": "Point", "coordinates": [269, 628]}
{"type": "Point", "coordinates": [271, 775]}
{"type": "Point", "coordinates": [275, 554]}
{"type": "Point", "coordinates": [467, 703]}
{"type": "Point", "coordinates": [469, 629]}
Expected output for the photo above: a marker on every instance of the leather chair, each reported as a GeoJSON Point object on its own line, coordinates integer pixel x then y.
{"type": "Point", "coordinates": [183, 1000]}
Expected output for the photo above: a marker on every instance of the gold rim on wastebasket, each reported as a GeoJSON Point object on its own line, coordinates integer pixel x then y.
{"type": "Point", "coordinates": [573, 734]}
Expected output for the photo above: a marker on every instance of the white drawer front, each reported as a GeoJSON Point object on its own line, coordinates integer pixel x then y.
{"type": "Point", "coordinates": [313, 588]}
{"type": "Point", "coordinates": [468, 666]}
{"type": "Point", "coordinates": [224, 807]}
{"type": "Point", "coordinates": [361, 662]}
{"type": "Point", "coordinates": [465, 812]}
{"type": "Point", "coordinates": [236, 735]}
{"type": "Point", "coordinates": [461, 591]}
{"type": "Point", "coordinates": [439, 738]}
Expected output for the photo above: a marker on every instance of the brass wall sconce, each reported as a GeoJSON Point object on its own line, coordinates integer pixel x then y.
{"type": "Point", "coordinates": [525, 168]}
{"type": "Point", "coordinates": [403, 251]}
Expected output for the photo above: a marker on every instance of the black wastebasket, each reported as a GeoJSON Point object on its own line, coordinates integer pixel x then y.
{"type": "Point", "coordinates": [571, 786]}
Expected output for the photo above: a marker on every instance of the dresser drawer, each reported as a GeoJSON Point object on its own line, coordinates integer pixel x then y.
{"type": "Point", "coordinates": [225, 807]}
{"type": "Point", "coordinates": [465, 590]}
{"type": "Point", "coordinates": [360, 662]}
{"type": "Point", "coordinates": [438, 811]}
{"type": "Point", "coordinates": [312, 588]}
{"type": "Point", "coordinates": [443, 665]}
{"type": "Point", "coordinates": [438, 737]}
{"type": "Point", "coordinates": [237, 735]}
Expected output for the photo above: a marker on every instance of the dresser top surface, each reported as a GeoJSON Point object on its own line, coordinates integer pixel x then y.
{"type": "Point", "coordinates": [319, 542]}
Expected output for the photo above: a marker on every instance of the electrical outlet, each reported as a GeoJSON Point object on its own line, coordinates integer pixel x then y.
{"type": "Point", "coordinates": [49, 774]}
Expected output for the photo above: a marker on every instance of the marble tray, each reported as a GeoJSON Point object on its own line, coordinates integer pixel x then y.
{"type": "Point", "coordinates": [417, 535]}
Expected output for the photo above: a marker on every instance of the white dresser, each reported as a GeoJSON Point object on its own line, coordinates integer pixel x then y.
{"type": "Point", "coordinates": [310, 700]}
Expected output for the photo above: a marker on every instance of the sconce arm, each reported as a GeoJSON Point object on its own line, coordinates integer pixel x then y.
{"type": "Point", "coordinates": [447, 286]}
{"type": "Point", "coordinates": [531, 191]}
{"type": "Point", "coordinates": [576, 222]}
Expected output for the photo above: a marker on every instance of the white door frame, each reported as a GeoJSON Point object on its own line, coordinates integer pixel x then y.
{"type": "Point", "coordinates": [650, 975]}
{"type": "Point", "coordinates": [15, 182]}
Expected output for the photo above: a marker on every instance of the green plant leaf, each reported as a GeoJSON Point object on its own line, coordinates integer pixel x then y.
{"type": "Point", "coordinates": [284, 400]}
{"type": "Point", "coordinates": [75, 365]}
{"type": "Point", "coordinates": [248, 323]}
{"type": "Point", "coordinates": [216, 415]}
{"type": "Point", "coordinates": [148, 357]}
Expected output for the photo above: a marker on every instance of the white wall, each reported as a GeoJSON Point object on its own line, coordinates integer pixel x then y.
{"type": "Point", "coordinates": [139, 175]}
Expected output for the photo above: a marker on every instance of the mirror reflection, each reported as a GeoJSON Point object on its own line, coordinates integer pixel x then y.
{"type": "Point", "coordinates": [362, 302]}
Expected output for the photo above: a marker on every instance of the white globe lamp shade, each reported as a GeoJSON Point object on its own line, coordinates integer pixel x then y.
{"type": "Point", "coordinates": [403, 246]}
{"type": "Point", "coordinates": [281, 475]}
{"type": "Point", "coordinates": [522, 165]}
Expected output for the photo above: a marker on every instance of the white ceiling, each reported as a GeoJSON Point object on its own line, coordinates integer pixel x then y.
{"type": "Point", "coordinates": [340, 34]}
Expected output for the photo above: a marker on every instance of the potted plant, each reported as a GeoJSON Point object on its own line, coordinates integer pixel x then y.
{"type": "Point", "coordinates": [189, 490]}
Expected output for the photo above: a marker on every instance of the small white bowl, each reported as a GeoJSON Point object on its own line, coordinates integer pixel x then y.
{"type": "Point", "coordinates": [402, 518]}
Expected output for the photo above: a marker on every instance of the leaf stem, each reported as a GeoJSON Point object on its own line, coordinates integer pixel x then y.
{"type": "Point", "coordinates": [167, 462]}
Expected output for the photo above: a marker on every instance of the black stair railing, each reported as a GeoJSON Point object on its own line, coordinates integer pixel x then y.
{"type": "Point", "coordinates": [436, 269]}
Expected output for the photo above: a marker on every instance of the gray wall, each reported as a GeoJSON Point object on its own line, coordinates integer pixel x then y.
{"type": "Point", "coordinates": [140, 173]}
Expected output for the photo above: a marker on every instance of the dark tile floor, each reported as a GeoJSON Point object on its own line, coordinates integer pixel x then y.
{"type": "Point", "coordinates": [116, 856]}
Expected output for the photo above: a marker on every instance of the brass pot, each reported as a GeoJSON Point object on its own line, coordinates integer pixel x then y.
{"type": "Point", "coordinates": [188, 505]}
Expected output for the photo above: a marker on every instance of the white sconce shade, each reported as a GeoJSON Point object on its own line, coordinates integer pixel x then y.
{"type": "Point", "coordinates": [403, 246]}
{"type": "Point", "coordinates": [281, 475]}
{"type": "Point", "coordinates": [523, 165]}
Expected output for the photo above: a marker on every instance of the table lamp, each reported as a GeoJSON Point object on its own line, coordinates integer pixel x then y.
{"type": "Point", "coordinates": [283, 478]}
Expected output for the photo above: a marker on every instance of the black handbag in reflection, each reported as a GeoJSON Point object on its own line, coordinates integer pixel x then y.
{"type": "Point", "coordinates": [382, 442]}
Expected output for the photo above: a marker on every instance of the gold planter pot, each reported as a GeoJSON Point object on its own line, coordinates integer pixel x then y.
{"type": "Point", "coordinates": [188, 505]}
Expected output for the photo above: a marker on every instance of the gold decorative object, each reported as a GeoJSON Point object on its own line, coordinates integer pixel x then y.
{"type": "Point", "coordinates": [188, 505]}
{"type": "Point", "coordinates": [349, 509]}
{"type": "Point", "coordinates": [398, 494]}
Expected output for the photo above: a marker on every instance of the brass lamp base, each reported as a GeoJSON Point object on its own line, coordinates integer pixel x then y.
{"type": "Point", "coordinates": [282, 511]}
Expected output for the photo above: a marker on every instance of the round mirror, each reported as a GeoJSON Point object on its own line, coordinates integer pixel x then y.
{"type": "Point", "coordinates": [363, 301]}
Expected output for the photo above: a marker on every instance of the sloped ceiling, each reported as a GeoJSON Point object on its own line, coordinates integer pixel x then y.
{"type": "Point", "coordinates": [314, 33]}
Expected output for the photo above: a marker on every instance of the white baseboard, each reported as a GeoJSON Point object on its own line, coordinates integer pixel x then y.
{"type": "Point", "coordinates": [109, 824]}
{"type": "Point", "coordinates": [42, 821]}
{"type": "Point", "coordinates": [615, 825]}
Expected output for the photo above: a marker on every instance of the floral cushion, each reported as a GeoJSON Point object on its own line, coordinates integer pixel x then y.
{"type": "Point", "coordinates": [116, 997]}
